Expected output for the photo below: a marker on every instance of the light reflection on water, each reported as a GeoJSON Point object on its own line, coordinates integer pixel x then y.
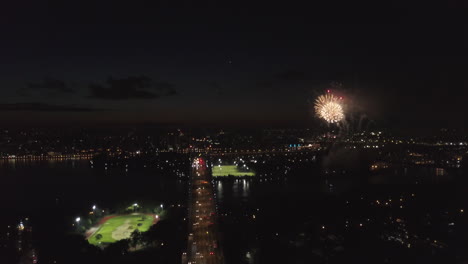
{"type": "Point", "coordinates": [232, 190]}
{"type": "Point", "coordinates": [79, 172]}
{"type": "Point", "coordinates": [219, 190]}
{"type": "Point", "coordinates": [33, 183]}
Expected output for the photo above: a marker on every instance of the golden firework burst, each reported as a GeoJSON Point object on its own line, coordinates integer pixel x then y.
{"type": "Point", "coordinates": [328, 107]}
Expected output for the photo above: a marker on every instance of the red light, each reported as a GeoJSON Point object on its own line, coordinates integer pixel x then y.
{"type": "Point", "coordinates": [328, 91]}
{"type": "Point", "coordinates": [341, 98]}
{"type": "Point", "coordinates": [211, 253]}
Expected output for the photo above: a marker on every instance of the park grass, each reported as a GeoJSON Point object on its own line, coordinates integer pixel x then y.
{"type": "Point", "coordinates": [128, 222]}
{"type": "Point", "coordinates": [230, 170]}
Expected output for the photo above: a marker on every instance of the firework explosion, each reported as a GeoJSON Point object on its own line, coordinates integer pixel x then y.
{"type": "Point", "coordinates": [329, 108]}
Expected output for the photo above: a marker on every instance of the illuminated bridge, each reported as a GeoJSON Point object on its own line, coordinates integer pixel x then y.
{"type": "Point", "coordinates": [203, 245]}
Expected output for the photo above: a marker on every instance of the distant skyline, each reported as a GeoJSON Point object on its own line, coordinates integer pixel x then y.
{"type": "Point", "coordinates": [202, 62]}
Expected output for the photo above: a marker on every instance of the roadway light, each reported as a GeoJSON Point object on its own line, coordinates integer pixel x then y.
{"type": "Point", "coordinates": [77, 219]}
{"type": "Point", "coordinates": [94, 207]}
{"type": "Point", "coordinates": [161, 205]}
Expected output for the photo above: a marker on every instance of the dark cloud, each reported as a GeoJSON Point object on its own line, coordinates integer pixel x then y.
{"type": "Point", "coordinates": [168, 89]}
{"type": "Point", "coordinates": [41, 107]}
{"type": "Point", "coordinates": [134, 87]}
{"type": "Point", "coordinates": [48, 86]}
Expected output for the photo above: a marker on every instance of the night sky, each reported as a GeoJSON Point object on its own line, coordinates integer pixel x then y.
{"type": "Point", "coordinates": [237, 62]}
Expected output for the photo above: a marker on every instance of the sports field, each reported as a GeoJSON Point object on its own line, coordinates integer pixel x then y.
{"type": "Point", "coordinates": [230, 170]}
{"type": "Point", "coordinates": [119, 227]}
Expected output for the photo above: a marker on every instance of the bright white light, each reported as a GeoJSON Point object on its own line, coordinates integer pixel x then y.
{"type": "Point", "coordinates": [135, 204]}
{"type": "Point", "coordinates": [94, 207]}
{"type": "Point", "coordinates": [157, 216]}
{"type": "Point", "coordinates": [161, 205]}
{"type": "Point", "coordinates": [77, 219]}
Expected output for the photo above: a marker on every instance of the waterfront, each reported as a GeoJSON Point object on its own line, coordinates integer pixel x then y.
{"type": "Point", "coordinates": [291, 213]}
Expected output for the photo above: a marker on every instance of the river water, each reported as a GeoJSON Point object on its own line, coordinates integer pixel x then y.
{"type": "Point", "coordinates": [68, 187]}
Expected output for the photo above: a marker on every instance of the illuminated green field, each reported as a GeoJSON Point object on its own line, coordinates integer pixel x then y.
{"type": "Point", "coordinates": [120, 227]}
{"type": "Point", "coordinates": [230, 170]}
